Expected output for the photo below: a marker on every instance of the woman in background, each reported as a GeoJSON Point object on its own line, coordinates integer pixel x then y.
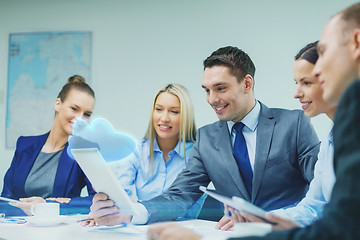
{"type": "Point", "coordinates": [165, 149]}
{"type": "Point", "coordinates": [309, 93]}
{"type": "Point", "coordinates": [41, 169]}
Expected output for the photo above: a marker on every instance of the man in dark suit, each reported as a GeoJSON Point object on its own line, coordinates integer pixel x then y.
{"type": "Point", "coordinates": [338, 68]}
{"type": "Point", "coordinates": [281, 148]}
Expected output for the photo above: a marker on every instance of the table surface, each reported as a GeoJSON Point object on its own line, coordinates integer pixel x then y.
{"type": "Point", "coordinates": [71, 229]}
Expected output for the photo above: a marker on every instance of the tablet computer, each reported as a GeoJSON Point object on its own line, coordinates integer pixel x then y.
{"type": "Point", "coordinates": [103, 178]}
{"type": "Point", "coordinates": [236, 202]}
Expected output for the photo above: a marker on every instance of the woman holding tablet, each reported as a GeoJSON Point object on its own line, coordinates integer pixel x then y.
{"type": "Point", "coordinates": [41, 169]}
{"type": "Point", "coordinates": [165, 149]}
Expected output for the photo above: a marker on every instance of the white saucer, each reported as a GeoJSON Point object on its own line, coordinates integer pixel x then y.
{"type": "Point", "coordinates": [45, 222]}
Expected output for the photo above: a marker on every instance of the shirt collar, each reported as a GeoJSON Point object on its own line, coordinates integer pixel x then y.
{"type": "Point", "coordinates": [250, 120]}
{"type": "Point", "coordinates": [176, 149]}
{"type": "Point", "coordinates": [156, 146]}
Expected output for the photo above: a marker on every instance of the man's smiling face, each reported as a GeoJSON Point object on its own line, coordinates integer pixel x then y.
{"type": "Point", "coordinates": [225, 94]}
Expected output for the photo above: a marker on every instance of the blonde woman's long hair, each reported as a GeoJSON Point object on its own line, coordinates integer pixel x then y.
{"type": "Point", "coordinates": [187, 132]}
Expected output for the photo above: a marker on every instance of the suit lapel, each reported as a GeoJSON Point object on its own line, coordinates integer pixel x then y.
{"type": "Point", "coordinates": [63, 171]}
{"type": "Point", "coordinates": [264, 135]}
{"type": "Point", "coordinates": [225, 147]}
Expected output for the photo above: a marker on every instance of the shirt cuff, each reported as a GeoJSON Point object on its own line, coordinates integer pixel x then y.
{"type": "Point", "coordinates": [142, 217]}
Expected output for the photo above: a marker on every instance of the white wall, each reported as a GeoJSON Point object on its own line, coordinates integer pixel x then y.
{"type": "Point", "coordinates": [139, 46]}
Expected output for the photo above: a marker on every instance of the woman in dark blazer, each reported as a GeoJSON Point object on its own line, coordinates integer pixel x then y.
{"type": "Point", "coordinates": [41, 169]}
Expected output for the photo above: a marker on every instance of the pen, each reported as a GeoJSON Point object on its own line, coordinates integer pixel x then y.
{"type": "Point", "coordinates": [124, 224]}
{"type": "Point", "coordinates": [8, 199]}
{"type": "Point", "coordinates": [85, 220]}
{"type": "Point", "coordinates": [13, 220]}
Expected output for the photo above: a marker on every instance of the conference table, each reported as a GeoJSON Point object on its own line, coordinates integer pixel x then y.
{"type": "Point", "coordinates": [69, 228]}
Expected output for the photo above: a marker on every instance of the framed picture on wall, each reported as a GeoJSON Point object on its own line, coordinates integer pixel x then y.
{"type": "Point", "coordinates": [39, 64]}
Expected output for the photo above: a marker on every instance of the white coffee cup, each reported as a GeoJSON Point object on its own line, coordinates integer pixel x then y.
{"type": "Point", "coordinates": [46, 210]}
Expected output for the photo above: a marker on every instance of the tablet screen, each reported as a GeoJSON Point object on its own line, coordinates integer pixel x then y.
{"type": "Point", "coordinates": [102, 178]}
{"type": "Point", "coordinates": [235, 202]}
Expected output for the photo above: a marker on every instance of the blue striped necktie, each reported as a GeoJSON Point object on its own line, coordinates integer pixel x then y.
{"type": "Point", "coordinates": [241, 155]}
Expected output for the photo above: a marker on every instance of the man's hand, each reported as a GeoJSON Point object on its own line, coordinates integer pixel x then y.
{"type": "Point", "coordinates": [105, 212]}
{"type": "Point", "coordinates": [230, 217]}
{"type": "Point", "coordinates": [225, 224]}
{"type": "Point", "coordinates": [280, 222]}
{"type": "Point", "coordinates": [170, 231]}
{"type": "Point", "coordinates": [88, 223]}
